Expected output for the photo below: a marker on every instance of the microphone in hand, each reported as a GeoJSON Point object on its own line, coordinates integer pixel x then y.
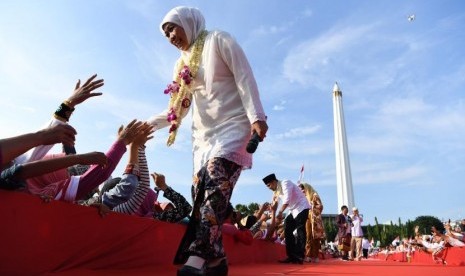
{"type": "Point", "coordinates": [253, 143]}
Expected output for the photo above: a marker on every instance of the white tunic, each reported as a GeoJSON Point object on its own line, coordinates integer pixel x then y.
{"type": "Point", "coordinates": [225, 103]}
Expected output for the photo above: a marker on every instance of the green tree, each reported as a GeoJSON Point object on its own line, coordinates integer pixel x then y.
{"type": "Point", "coordinates": [425, 223]}
{"type": "Point", "coordinates": [401, 230]}
{"type": "Point", "coordinates": [253, 207]}
{"type": "Point", "coordinates": [409, 229]}
{"type": "Point", "coordinates": [242, 208]}
{"type": "Point", "coordinates": [247, 210]}
{"type": "Point", "coordinates": [369, 232]}
{"type": "Point", "coordinates": [377, 232]}
{"type": "Point", "coordinates": [330, 229]}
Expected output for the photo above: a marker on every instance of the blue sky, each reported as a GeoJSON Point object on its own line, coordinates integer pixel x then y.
{"type": "Point", "coordinates": [402, 83]}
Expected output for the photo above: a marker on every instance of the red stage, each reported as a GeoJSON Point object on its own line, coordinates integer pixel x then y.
{"type": "Point", "coordinates": [40, 238]}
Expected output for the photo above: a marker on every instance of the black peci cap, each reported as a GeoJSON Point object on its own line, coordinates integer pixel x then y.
{"type": "Point", "coordinates": [269, 178]}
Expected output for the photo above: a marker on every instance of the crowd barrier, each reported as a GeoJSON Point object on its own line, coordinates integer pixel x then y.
{"type": "Point", "coordinates": [452, 255]}
{"type": "Point", "coordinates": [38, 238]}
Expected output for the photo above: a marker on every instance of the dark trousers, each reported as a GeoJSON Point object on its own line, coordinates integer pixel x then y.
{"type": "Point", "coordinates": [365, 253]}
{"type": "Point", "coordinates": [295, 247]}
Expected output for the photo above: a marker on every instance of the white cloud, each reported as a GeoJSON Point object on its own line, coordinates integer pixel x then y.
{"type": "Point", "coordinates": [264, 30]}
{"type": "Point", "coordinates": [281, 106]}
{"type": "Point", "coordinates": [310, 60]}
{"type": "Point", "coordinates": [369, 173]}
{"type": "Point", "coordinates": [299, 132]}
{"type": "Point", "coordinates": [145, 8]}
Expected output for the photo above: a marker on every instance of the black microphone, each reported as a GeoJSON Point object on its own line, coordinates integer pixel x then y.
{"type": "Point", "coordinates": [253, 143]}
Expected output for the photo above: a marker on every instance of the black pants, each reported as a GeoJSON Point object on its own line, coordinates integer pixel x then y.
{"type": "Point", "coordinates": [295, 247]}
{"type": "Point", "coordinates": [365, 253]}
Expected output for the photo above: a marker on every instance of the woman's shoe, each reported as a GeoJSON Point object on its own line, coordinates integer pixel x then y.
{"type": "Point", "coordinates": [292, 261]}
{"type": "Point", "coordinates": [219, 270]}
{"type": "Point", "coordinates": [187, 270]}
{"type": "Point", "coordinates": [286, 261]}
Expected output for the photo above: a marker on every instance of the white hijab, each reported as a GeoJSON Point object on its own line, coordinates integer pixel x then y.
{"type": "Point", "coordinates": [190, 19]}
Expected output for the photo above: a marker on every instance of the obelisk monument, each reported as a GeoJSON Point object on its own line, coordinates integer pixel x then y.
{"type": "Point", "coordinates": [345, 194]}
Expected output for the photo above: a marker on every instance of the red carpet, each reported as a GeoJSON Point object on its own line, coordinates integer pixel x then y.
{"type": "Point", "coordinates": [61, 238]}
{"type": "Point", "coordinates": [326, 267]}
{"type": "Point", "coordinates": [337, 267]}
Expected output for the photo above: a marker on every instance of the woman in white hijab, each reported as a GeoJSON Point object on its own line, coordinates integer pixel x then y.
{"type": "Point", "coordinates": [213, 75]}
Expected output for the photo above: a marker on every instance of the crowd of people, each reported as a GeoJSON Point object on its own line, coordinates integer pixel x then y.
{"type": "Point", "coordinates": [440, 238]}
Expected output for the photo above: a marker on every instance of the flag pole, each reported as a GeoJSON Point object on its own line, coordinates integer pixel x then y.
{"type": "Point", "coordinates": [302, 173]}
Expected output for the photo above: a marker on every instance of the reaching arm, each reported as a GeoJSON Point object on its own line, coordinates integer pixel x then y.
{"type": "Point", "coordinates": [261, 210]}
{"type": "Point", "coordinates": [15, 146]}
{"type": "Point", "coordinates": [135, 201]}
{"type": "Point", "coordinates": [137, 157]}
{"type": "Point", "coordinates": [40, 167]}
{"type": "Point", "coordinates": [61, 116]}
{"type": "Point", "coordinates": [182, 207]}
{"type": "Point", "coordinates": [128, 183]}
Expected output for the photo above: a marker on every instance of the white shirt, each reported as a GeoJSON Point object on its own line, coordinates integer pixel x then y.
{"type": "Point", "coordinates": [357, 228]}
{"type": "Point", "coordinates": [225, 103]}
{"type": "Point", "coordinates": [293, 196]}
{"type": "Point", "coordinates": [366, 244]}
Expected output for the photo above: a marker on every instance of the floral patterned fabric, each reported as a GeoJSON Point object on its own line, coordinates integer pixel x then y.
{"type": "Point", "coordinates": [218, 176]}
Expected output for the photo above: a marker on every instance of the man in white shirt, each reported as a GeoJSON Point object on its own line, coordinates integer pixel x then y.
{"type": "Point", "coordinates": [357, 235]}
{"type": "Point", "coordinates": [291, 197]}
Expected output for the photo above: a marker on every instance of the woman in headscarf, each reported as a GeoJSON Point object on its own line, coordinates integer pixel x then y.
{"type": "Point", "coordinates": [214, 76]}
{"type": "Point", "coordinates": [315, 227]}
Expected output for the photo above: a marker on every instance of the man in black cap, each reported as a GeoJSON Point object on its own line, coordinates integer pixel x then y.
{"type": "Point", "coordinates": [291, 197]}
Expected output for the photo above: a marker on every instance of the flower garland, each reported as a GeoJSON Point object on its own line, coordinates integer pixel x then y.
{"type": "Point", "coordinates": [179, 89]}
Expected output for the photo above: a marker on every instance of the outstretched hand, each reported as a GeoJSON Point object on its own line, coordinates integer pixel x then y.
{"type": "Point", "coordinates": [265, 206]}
{"type": "Point", "coordinates": [129, 133]}
{"type": "Point", "coordinates": [159, 180]}
{"type": "Point", "coordinates": [58, 134]}
{"type": "Point", "coordinates": [82, 93]}
{"type": "Point", "coordinates": [144, 135]}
